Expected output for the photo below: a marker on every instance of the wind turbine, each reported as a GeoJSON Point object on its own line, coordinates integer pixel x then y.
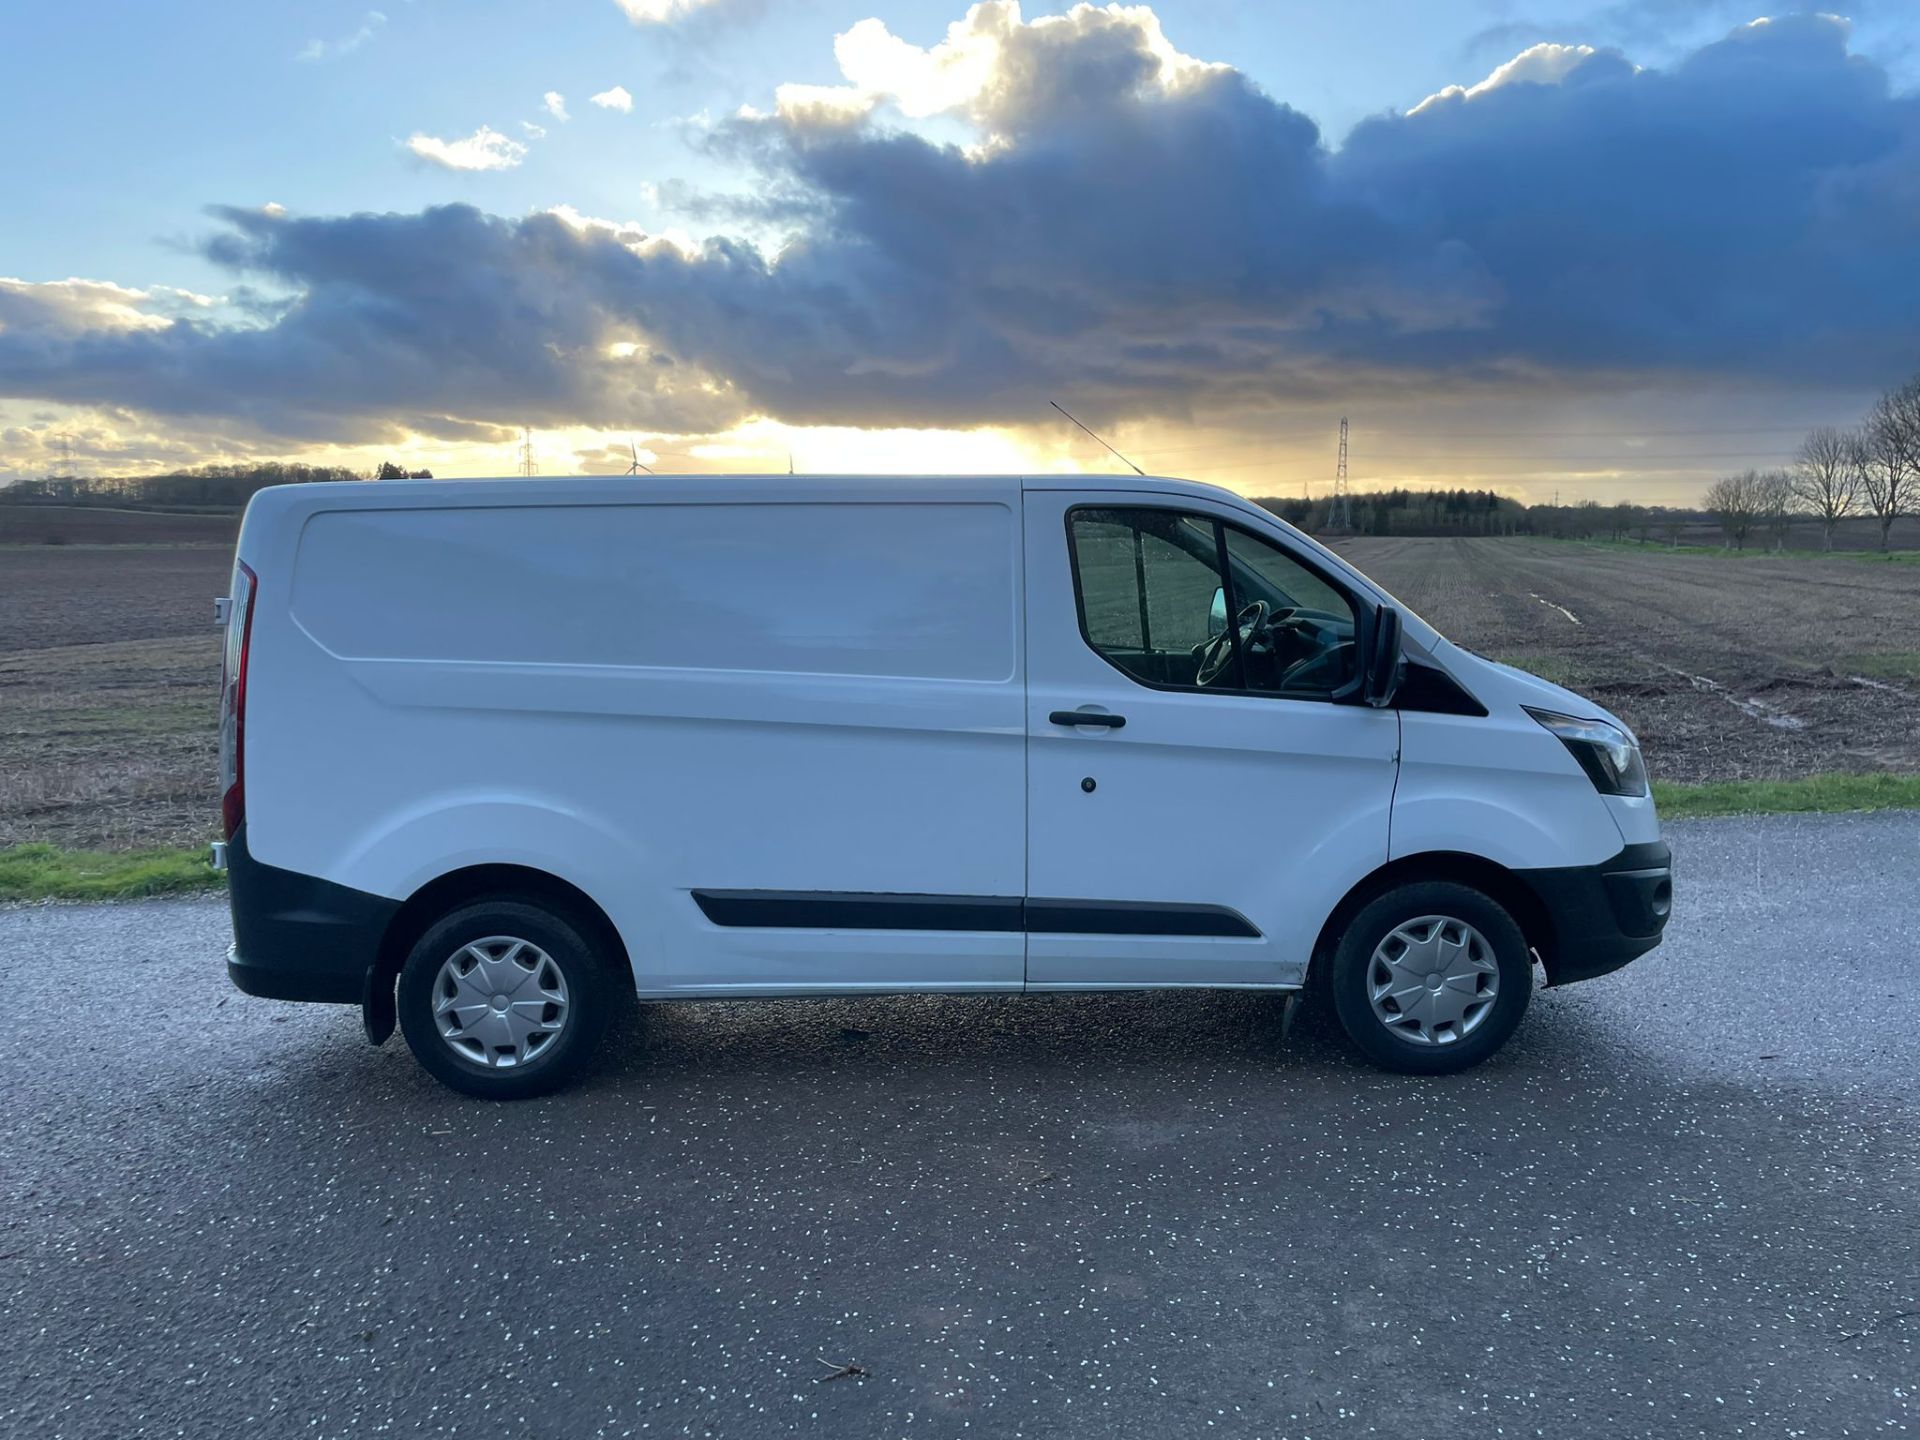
{"type": "Point", "coordinates": [636, 467]}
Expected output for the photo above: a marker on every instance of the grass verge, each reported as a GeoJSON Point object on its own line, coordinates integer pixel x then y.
{"type": "Point", "coordinates": [46, 872]}
{"type": "Point", "coordinates": [1898, 665]}
{"type": "Point", "coordinates": [1754, 550]}
{"type": "Point", "coordinates": [1816, 794]}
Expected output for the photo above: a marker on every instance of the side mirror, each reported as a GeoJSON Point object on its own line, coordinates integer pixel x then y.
{"type": "Point", "coordinates": [1383, 659]}
{"type": "Point", "coordinates": [1217, 613]}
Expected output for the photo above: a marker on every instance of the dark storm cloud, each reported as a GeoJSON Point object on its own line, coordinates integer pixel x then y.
{"type": "Point", "coordinates": [1135, 232]}
{"type": "Point", "coordinates": [1749, 212]}
{"type": "Point", "coordinates": [437, 322]}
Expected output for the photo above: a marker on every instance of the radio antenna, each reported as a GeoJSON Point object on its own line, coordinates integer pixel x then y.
{"type": "Point", "coordinates": [1115, 453]}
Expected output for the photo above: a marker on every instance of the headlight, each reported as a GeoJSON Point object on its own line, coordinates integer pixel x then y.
{"type": "Point", "coordinates": [1606, 752]}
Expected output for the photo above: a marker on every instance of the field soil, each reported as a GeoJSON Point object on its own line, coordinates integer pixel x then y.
{"type": "Point", "coordinates": [57, 525]}
{"type": "Point", "coordinates": [109, 676]}
{"type": "Point", "coordinates": [1727, 668]}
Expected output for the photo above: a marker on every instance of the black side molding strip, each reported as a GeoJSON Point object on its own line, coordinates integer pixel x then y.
{"type": "Point", "coordinates": [1134, 917]}
{"type": "Point", "coordinates": [854, 910]}
{"type": "Point", "coordinates": [858, 910]}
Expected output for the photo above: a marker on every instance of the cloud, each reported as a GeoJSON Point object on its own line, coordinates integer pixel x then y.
{"type": "Point", "coordinates": [615, 99]}
{"type": "Point", "coordinates": [438, 321]}
{"type": "Point", "coordinates": [370, 25]}
{"type": "Point", "coordinates": [485, 149]}
{"type": "Point", "coordinates": [76, 307]}
{"type": "Point", "coordinates": [1663, 26]}
{"type": "Point", "coordinates": [1543, 64]}
{"type": "Point", "coordinates": [1125, 228]}
{"type": "Point", "coordinates": [661, 12]}
{"type": "Point", "coordinates": [998, 70]}
{"type": "Point", "coordinates": [533, 131]}
{"type": "Point", "coordinates": [555, 104]}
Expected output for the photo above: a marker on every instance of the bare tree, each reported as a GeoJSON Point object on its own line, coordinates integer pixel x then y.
{"type": "Point", "coordinates": [1826, 478]}
{"type": "Point", "coordinates": [1774, 500]}
{"type": "Point", "coordinates": [1672, 522]}
{"type": "Point", "coordinates": [1734, 501]}
{"type": "Point", "coordinates": [1890, 479]}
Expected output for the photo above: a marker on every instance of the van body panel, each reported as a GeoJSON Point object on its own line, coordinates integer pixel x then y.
{"type": "Point", "coordinates": [1270, 807]}
{"type": "Point", "coordinates": [1498, 786]}
{"type": "Point", "coordinates": [653, 697]}
{"type": "Point", "coordinates": [1634, 814]}
{"type": "Point", "coordinates": [897, 589]}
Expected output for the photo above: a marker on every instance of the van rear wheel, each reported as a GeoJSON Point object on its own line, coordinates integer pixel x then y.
{"type": "Point", "coordinates": [505, 999]}
{"type": "Point", "coordinates": [1431, 978]}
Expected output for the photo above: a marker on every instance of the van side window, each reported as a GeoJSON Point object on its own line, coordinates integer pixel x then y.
{"type": "Point", "coordinates": [1146, 581]}
{"type": "Point", "coordinates": [1157, 588]}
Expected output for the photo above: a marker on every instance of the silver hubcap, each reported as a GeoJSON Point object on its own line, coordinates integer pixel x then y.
{"type": "Point", "coordinates": [1433, 980]}
{"type": "Point", "coordinates": [500, 1001]}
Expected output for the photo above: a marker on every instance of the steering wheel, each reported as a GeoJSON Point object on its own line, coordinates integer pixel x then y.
{"type": "Point", "coordinates": [1252, 623]}
{"type": "Point", "coordinates": [1324, 670]}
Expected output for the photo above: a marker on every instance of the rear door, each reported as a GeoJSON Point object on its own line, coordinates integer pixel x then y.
{"type": "Point", "coordinates": [1194, 828]}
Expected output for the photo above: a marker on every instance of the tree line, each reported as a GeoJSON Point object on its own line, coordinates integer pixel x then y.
{"type": "Point", "coordinates": [1408, 512]}
{"type": "Point", "coordinates": [1482, 512]}
{"type": "Point", "coordinates": [203, 487]}
{"type": "Point", "coordinates": [1872, 468]}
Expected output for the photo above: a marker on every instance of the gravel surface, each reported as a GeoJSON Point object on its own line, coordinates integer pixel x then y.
{"type": "Point", "coordinates": [1682, 1203]}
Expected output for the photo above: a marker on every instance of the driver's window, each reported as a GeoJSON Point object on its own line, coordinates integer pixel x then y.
{"type": "Point", "coordinates": [1146, 581]}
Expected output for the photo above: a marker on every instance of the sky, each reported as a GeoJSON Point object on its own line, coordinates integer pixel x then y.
{"type": "Point", "coordinates": [1599, 249]}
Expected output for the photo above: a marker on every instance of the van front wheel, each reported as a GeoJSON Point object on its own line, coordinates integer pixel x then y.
{"type": "Point", "coordinates": [503, 999]}
{"type": "Point", "coordinates": [1431, 977]}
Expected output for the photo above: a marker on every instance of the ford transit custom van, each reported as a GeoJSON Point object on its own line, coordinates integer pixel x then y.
{"type": "Point", "coordinates": [500, 756]}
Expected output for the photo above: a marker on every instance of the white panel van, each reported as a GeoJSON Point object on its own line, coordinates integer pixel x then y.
{"type": "Point", "coordinates": [500, 756]}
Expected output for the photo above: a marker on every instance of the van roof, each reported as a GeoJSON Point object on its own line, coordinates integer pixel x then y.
{"type": "Point", "coordinates": [657, 486]}
{"type": "Point", "coordinates": [512, 490]}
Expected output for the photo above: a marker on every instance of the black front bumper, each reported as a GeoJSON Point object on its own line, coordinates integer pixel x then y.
{"type": "Point", "coordinates": [1601, 916]}
{"type": "Point", "coordinates": [297, 937]}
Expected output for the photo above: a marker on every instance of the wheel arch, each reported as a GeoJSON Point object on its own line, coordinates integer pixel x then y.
{"type": "Point", "coordinates": [473, 882]}
{"type": "Point", "coordinates": [1496, 881]}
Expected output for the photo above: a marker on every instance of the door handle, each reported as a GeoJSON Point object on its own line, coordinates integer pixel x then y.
{"type": "Point", "coordinates": [1087, 717]}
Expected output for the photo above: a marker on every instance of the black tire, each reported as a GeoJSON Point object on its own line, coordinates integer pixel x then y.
{"type": "Point", "coordinates": [1389, 1047]}
{"type": "Point", "coordinates": [591, 998]}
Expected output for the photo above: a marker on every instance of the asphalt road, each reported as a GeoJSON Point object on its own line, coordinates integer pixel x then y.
{"type": "Point", "coordinates": [1684, 1202]}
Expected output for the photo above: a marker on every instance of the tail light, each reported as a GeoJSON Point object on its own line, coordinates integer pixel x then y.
{"type": "Point", "coordinates": [233, 701]}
